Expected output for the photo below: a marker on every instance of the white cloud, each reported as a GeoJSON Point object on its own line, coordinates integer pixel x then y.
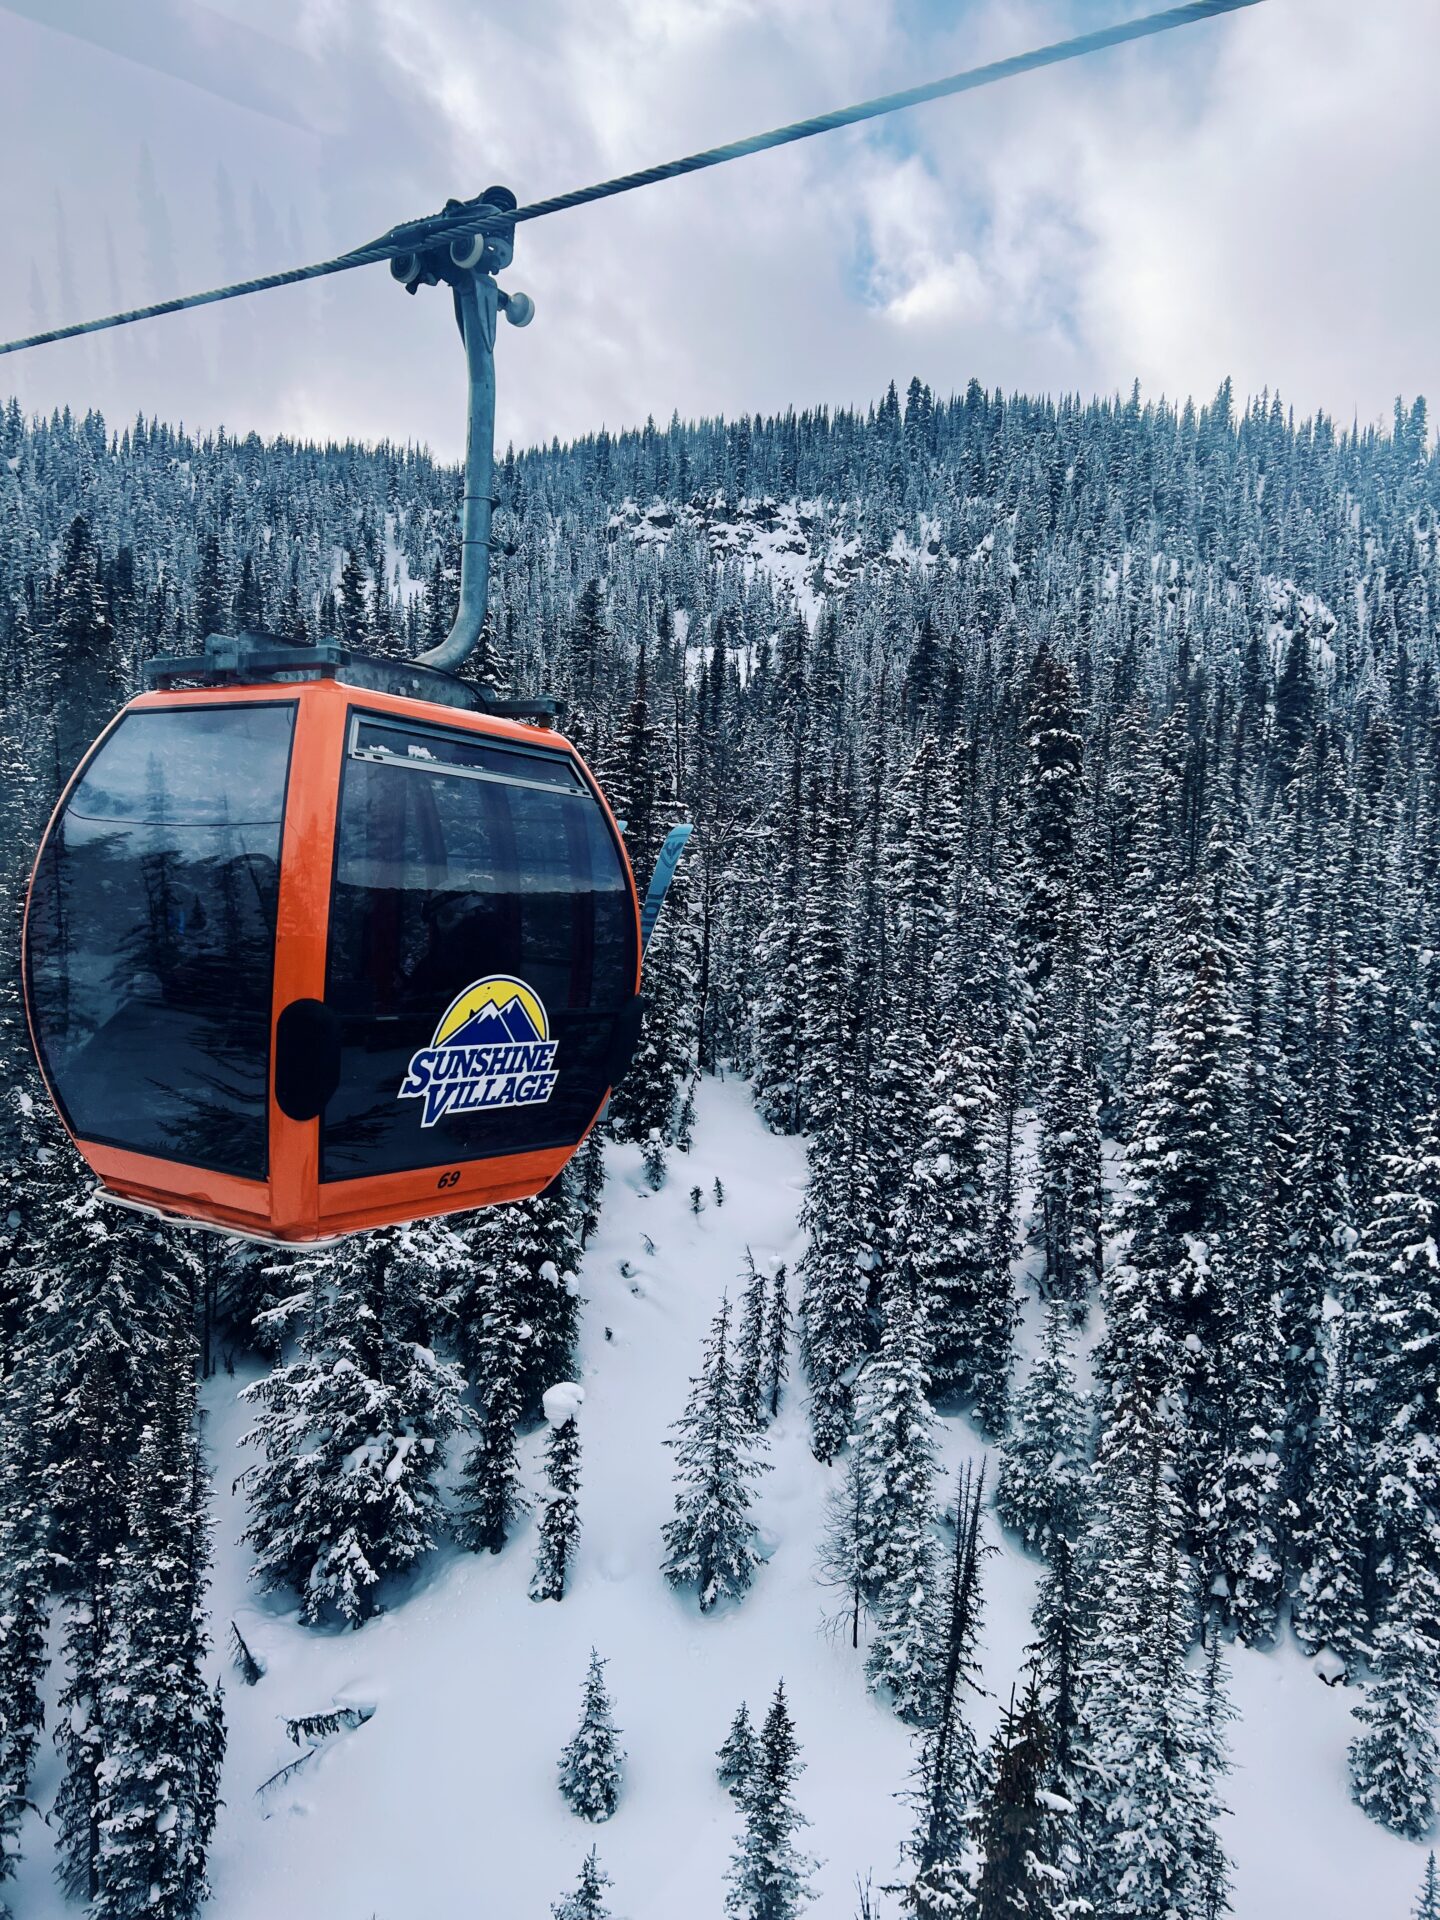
{"type": "Point", "coordinates": [1250, 197]}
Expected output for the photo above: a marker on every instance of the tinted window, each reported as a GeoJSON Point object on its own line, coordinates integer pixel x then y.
{"type": "Point", "coordinates": [152, 935]}
{"type": "Point", "coordinates": [471, 754]}
{"type": "Point", "coordinates": [481, 944]}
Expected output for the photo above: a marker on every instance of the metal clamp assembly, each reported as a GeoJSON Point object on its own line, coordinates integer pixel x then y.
{"type": "Point", "coordinates": [468, 266]}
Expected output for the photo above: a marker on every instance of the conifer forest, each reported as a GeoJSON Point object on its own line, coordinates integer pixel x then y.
{"type": "Point", "coordinates": [1043, 1038]}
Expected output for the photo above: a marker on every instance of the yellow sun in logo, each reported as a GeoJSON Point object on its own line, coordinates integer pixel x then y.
{"type": "Point", "coordinates": [501, 992]}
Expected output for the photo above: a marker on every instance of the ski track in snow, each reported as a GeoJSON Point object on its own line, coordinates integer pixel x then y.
{"type": "Point", "coordinates": [444, 1806]}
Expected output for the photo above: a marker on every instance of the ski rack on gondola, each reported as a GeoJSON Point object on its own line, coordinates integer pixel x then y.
{"type": "Point", "coordinates": [240, 659]}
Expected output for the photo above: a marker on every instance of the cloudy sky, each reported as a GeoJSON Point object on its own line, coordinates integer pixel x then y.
{"type": "Point", "coordinates": [1254, 196]}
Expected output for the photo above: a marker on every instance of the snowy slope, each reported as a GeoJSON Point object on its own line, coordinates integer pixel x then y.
{"type": "Point", "coordinates": [443, 1805]}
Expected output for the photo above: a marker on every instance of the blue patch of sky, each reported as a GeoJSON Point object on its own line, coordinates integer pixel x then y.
{"type": "Point", "coordinates": [937, 42]}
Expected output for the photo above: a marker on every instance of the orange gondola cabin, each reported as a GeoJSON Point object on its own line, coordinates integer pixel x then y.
{"type": "Point", "coordinates": [316, 943]}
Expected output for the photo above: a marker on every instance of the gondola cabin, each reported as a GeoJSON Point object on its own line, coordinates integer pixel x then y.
{"type": "Point", "coordinates": [317, 950]}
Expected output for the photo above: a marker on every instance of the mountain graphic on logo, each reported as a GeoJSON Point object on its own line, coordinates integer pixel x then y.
{"type": "Point", "coordinates": [495, 1026]}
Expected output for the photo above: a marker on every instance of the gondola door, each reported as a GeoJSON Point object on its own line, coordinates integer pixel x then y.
{"type": "Point", "coordinates": [482, 958]}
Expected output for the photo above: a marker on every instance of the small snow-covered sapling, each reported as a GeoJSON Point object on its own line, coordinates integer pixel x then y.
{"type": "Point", "coordinates": [251, 1670]}
{"type": "Point", "coordinates": [652, 1158]}
{"type": "Point", "coordinates": [587, 1901]}
{"type": "Point", "coordinates": [697, 1201]}
{"type": "Point", "coordinates": [560, 1520]}
{"type": "Point", "coordinates": [685, 1125]}
{"type": "Point", "coordinates": [736, 1756]}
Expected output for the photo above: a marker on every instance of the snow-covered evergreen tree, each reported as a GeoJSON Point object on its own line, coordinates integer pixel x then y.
{"type": "Point", "coordinates": [1021, 1857]}
{"type": "Point", "coordinates": [1399, 1273]}
{"type": "Point", "coordinates": [1180, 1165]}
{"type": "Point", "coordinates": [587, 1902]}
{"type": "Point", "coordinates": [769, 1876]}
{"type": "Point", "coordinates": [845, 1562]}
{"type": "Point", "coordinates": [491, 1496]}
{"type": "Point", "coordinates": [1061, 1619]}
{"type": "Point", "coordinates": [737, 1755]}
{"type": "Point", "coordinates": [587, 1176]}
{"type": "Point", "coordinates": [1069, 1184]}
{"type": "Point", "coordinates": [1041, 1488]}
{"type": "Point", "coordinates": [940, 1225]}
{"type": "Point", "coordinates": [80, 675]}
{"type": "Point", "coordinates": [514, 1281]}
{"type": "Point", "coordinates": [24, 1609]}
{"type": "Point", "coordinates": [751, 1352]}
{"type": "Point", "coordinates": [1427, 1907]}
{"type": "Point", "coordinates": [945, 1775]}
{"type": "Point", "coordinates": [775, 1358]}
{"type": "Point", "coordinates": [352, 1435]}
{"type": "Point", "coordinates": [1153, 1753]}
{"type": "Point", "coordinates": [160, 1725]}
{"type": "Point", "coordinates": [1054, 792]}
{"type": "Point", "coordinates": [1242, 1509]}
{"type": "Point", "coordinates": [1330, 1610]}
{"type": "Point", "coordinates": [1394, 1759]}
{"type": "Point", "coordinates": [835, 1273]}
{"type": "Point", "coordinates": [895, 1449]}
{"type": "Point", "coordinates": [593, 1761]}
{"type": "Point", "coordinates": [560, 1515]}
{"type": "Point", "coordinates": [652, 1159]}
{"type": "Point", "coordinates": [710, 1543]}
{"type": "Point", "coordinates": [651, 1092]}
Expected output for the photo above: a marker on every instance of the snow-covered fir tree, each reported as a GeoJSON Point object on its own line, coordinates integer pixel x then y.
{"type": "Point", "coordinates": [770, 1876]}
{"type": "Point", "coordinates": [1394, 1758]}
{"type": "Point", "coordinates": [587, 1901]}
{"type": "Point", "coordinates": [941, 1225]}
{"type": "Point", "coordinates": [775, 1363]}
{"type": "Point", "coordinates": [1053, 796]}
{"type": "Point", "coordinates": [1153, 1752]}
{"type": "Point", "coordinates": [559, 1531]}
{"type": "Point", "coordinates": [24, 1610]}
{"type": "Point", "coordinates": [1022, 1858]}
{"type": "Point", "coordinates": [1041, 1488]}
{"type": "Point", "coordinates": [159, 1722]}
{"type": "Point", "coordinates": [518, 1267]}
{"type": "Point", "coordinates": [1399, 1272]}
{"type": "Point", "coordinates": [1069, 1183]}
{"type": "Point", "coordinates": [845, 1563]}
{"type": "Point", "coordinates": [752, 1354]}
{"type": "Point", "coordinates": [1427, 1906]}
{"type": "Point", "coordinates": [895, 1449]}
{"type": "Point", "coordinates": [835, 1272]}
{"type": "Point", "coordinates": [587, 1178]}
{"type": "Point", "coordinates": [592, 1764]}
{"type": "Point", "coordinates": [351, 1434]}
{"type": "Point", "coordinates": [652, 1158]}
{"type": "Point", "coordinates": [736, 1756]}
{"type": "Point", "coordinates": [1330, 1610]}
{"type": "Point", "coordinates": [710, 1543]}
{"type": "Point", "coordinates": [945, 1774]}
{"type": "Point", "coordinates": [1242, 1509]}
{"type": "Point", "coordinates": [1061, 1620]}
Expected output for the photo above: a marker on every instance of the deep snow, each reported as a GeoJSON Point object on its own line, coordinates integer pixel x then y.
{"type": "Point", "coordinates": [443, 1805]}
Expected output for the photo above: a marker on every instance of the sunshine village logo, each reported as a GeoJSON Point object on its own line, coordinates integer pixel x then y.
{"type": "Point", "coordinates": [491, 1049]}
